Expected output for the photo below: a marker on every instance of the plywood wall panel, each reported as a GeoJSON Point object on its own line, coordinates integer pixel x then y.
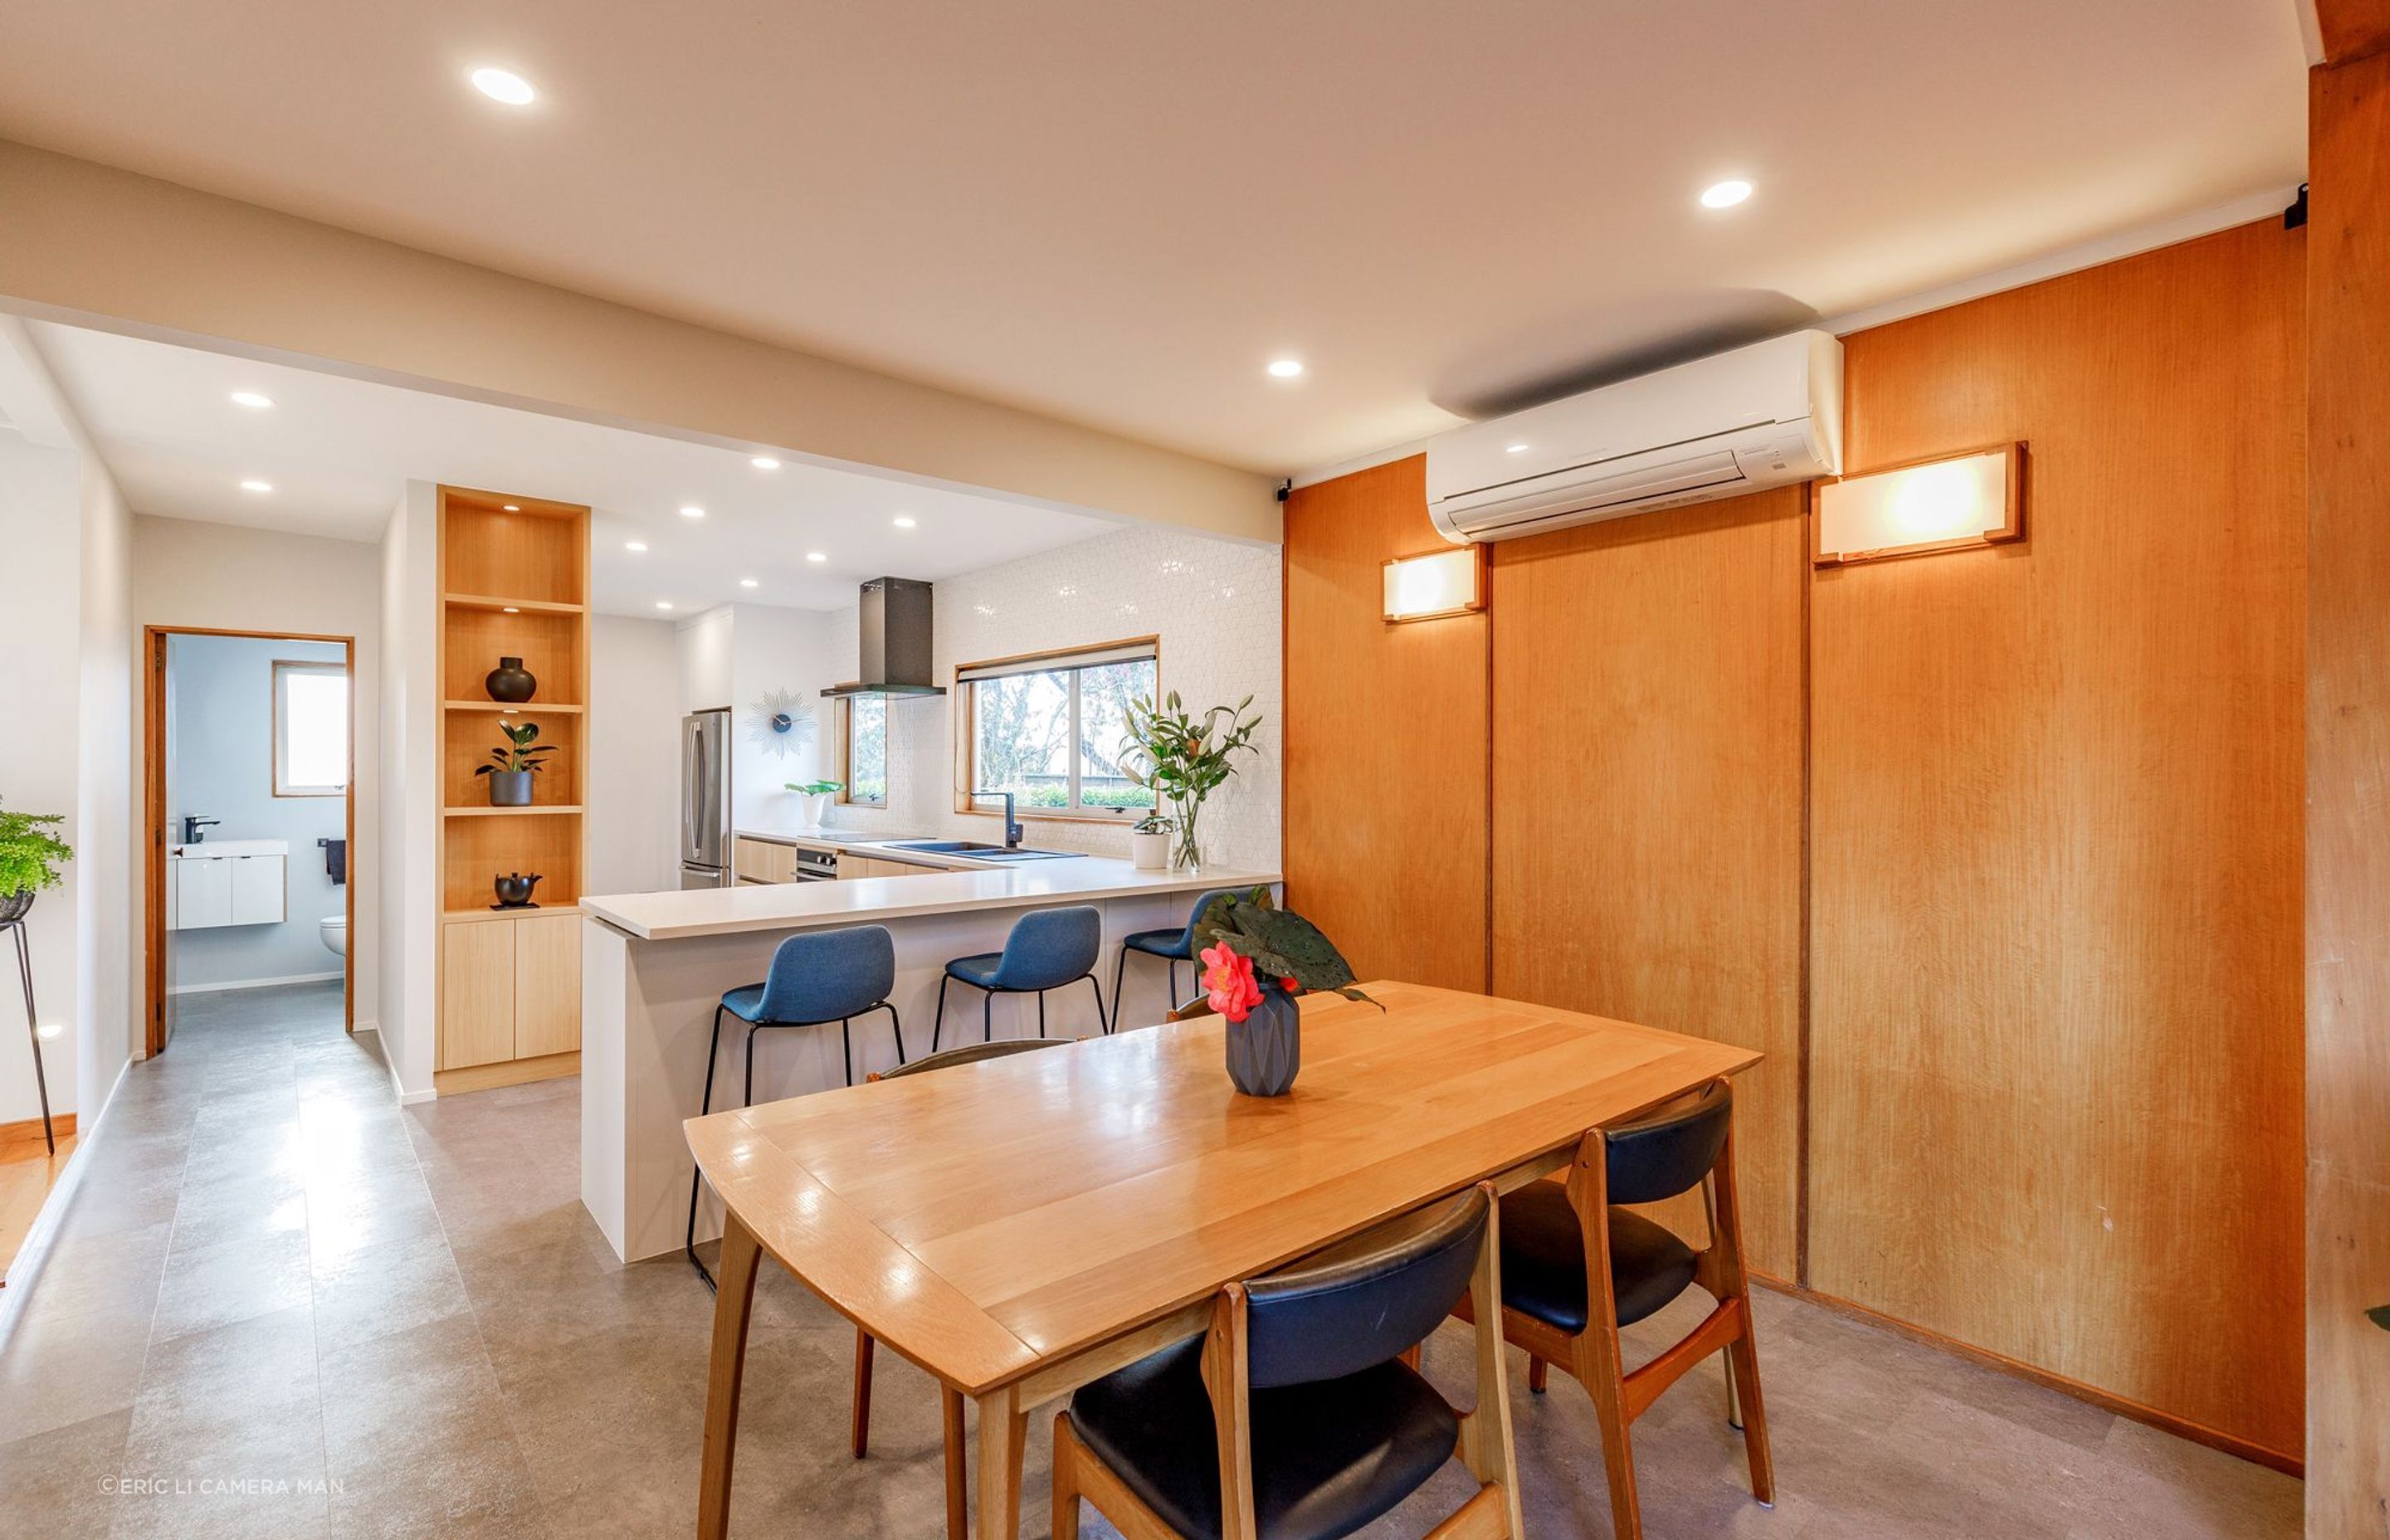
{"type": "Point", "coordinates": [1647, 824]}
{"type": "Point", "coordinates": [2348, 821]}
{"type": "Point", "coordinates": [1385, 740]}
{"type": "Point", "coordinates": [2055, 1047]}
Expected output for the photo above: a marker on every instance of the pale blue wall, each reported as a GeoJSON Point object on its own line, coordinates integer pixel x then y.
{"type": "Point", "coordinates": [220, 762]}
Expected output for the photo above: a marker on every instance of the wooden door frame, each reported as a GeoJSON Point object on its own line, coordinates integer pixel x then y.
{"type": "Point", "coordinates": [153, 820]}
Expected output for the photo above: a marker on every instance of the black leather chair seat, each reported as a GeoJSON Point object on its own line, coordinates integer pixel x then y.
{"type": "Point", "coordinates": [1329, 1456]}
{"type": "Point", "coordinates": [1543, 1260]}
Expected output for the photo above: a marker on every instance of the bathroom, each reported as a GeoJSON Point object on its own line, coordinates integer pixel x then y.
{"type": "Point", "coordinates": [256, 766]}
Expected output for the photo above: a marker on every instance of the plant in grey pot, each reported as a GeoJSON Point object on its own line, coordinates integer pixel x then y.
{"type": "Point", "coordinates": [29, 858]}
{"type": "Point", "coordinates": [511, 768]}
{"type": "Point", "coordinates": [1256, 958]}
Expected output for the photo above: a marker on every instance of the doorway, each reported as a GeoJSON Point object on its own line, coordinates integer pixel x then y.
{"type": "Point", "coordinates": [249, 758]}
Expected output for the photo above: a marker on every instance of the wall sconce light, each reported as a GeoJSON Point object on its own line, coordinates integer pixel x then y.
{"type": "Point", "coordinates": [1946, 504]}
{"type": "Point", "coordinates": [1439, 582]}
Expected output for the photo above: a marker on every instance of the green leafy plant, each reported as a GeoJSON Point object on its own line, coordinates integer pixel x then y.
{"type": "Point", "coordinates": [1154, 823]}
{"type": "Point", "coordinates": [815, 788]}
{"type": "Point", "coordinates": [1281, 945]}
{"type": "Point", "coordinates": [1182, 758]}
{"type": "Point", "coordinates": [519, 753]}
{"type": "Point", "coordinates": [30, 854]}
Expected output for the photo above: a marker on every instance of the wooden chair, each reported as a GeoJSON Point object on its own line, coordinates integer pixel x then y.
{"type": "Point", "coordinates": [958, 1497]}
{"type": "Point", "coordinates": [1556, 1236]}
{"type": "Point", "coordinates": [1295, 1414]}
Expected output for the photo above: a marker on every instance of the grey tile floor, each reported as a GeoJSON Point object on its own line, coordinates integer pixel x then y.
{"type": "Point", "coordinates": [279, 1304]}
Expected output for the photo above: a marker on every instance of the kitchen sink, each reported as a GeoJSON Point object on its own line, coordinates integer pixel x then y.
{"type": "Point", "coordinates": [973, 849]}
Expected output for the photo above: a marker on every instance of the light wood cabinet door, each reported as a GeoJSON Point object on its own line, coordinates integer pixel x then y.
{"type": "Point", "coordinates": [548, 984]}
{"type": "Point", "coordinates": [851, 866]}
{"type": "Point", "coordinates": [477, 993]}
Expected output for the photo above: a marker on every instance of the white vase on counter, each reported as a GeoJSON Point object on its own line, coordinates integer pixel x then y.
{"type": "Point", "coordinates": [817, 809]}
{"type": "Point", "coordinates": [1148, 851]}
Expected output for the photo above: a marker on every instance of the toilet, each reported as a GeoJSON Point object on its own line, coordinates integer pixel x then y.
{"type": "Point", "coordinates": [335, 929]}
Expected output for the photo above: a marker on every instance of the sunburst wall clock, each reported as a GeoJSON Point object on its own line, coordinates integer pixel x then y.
{"type": "Point", "coordinates": [778, 724]}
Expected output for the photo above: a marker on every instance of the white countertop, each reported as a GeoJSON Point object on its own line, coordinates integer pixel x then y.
{"type": "Point", "coordinates": [799, 905]}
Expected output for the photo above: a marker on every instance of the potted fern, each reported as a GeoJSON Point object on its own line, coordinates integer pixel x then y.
{"type": "Point", "coordinates": [512, 766]}
{"type": "Point", "coordinates": [29, 858]}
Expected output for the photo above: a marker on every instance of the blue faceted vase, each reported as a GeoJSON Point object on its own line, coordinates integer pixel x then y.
{"type": "Point", "coordinates": [1265, 1048]}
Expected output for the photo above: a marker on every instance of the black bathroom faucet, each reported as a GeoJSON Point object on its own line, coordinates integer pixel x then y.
{"type": "Point", "coordinates": [195, 828]}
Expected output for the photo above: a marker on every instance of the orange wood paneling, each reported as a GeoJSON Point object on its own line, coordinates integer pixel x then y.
{"type": "Point", "coordinates": [2352, 29]}
{"type": "Point", "coordinates": [1647, 816]}
{"type": "Point", "coordinates": [1385, 740]}
{"type": "Point", "coordinates": [2054, 1028]}
{"type": "Point", "coordinates": [2349, 822]}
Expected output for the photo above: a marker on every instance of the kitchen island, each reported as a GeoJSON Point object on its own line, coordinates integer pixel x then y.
{"type": "Point", "coordinates": [654, 966]}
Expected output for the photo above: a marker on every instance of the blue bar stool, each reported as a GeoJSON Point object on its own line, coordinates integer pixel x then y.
{"type": "Point", "coordinates": [1173, 946]}
{"type": "Point", "coordinates": [1046, 949]}
{"type": "Point", "coordinates": [818, 977]}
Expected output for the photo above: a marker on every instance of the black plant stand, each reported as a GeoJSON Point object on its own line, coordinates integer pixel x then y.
{"type": "Point", "coordinates": [33, 1032]}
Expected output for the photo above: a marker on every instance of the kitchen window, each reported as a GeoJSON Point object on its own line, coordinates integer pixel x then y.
{"type": "Point", "coordinates": [311, 729]}
{"type": "Point", "coordinates": [1048, 728]}
{"type": "Point", "coordinates": [866, 737]}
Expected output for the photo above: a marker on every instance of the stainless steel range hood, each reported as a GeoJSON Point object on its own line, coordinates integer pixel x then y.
{"type": "Point", "coordinates": [894, 614]}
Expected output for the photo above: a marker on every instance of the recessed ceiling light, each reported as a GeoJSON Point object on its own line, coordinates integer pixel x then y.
{"type": "Point", "coordinates": [634, 546]}
{"type": "Point", "coordinates": [510, 610]}
{"type": "Point", "coordinates": [904, 520]}
{"type": "Point", "coordinates": [1725, 195]}
{"type": "Point", "coordinates": [765, 462]}
{"type": "Point", "coordinates": [1514, 449]}
{"type": "Point", "coordinates": [1286, 368]}
{"type": "Point", "coordinates": [513, 507]}
{"type": "Point", "coordinates": [690, 510]}
{"type": "Point", "coordinates": [664, 604]}
{"type": "Point", "coordinates": [254, 485]}
{"type": "Point", "coordinates": [252, 399]}
{"type": "Point", "coordinates": [816, 556]}
{"type": "Point", "coordinates": [504, 85]}
{"type": "Point", "coordinates": [749, 582]}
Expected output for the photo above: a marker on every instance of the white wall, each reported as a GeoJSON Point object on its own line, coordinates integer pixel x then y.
{"type": "Point", "coordinates": [220, 764]}
{"type": "Point", "coordinates": [733, 655]}
{"type": "Point", "coordinates": [40, 497]}
{"type": "Point", "coordinates": [66, 699]}
{"type": "Point", "coordinates": [220, 577]}
{"type": "Point", "coordinates": [408, 817]}
{"type": "Point", "coordinates": [704, 643]}
{"type": "Point", "coordinates": [633, 777]}
{"type": "Point", "coordinates": [1213, 603]}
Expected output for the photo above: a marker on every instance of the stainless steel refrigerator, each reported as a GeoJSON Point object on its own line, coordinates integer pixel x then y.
{"type": "Point", "coordinates": [705, 800]}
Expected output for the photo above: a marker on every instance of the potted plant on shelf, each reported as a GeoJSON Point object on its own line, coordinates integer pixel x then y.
{"type": "Point", "coordinates": [511, 767]}
{"type": "Point", "coordinates": [1183, 759]}
{"type": "Point", "coordinates": [817, 795]}
{"type": "Point", "coordinates": [29, 858]}
{"type": "Point", "coordinates": [1148, 842]}
{"type": "Point", "coordinates": [1256, 958]}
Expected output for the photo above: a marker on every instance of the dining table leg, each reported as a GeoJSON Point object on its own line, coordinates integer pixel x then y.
{"type": "Point", "coordinates": [734, 1304]}
{"type": "Point", "coordinates": [1003, 1431]}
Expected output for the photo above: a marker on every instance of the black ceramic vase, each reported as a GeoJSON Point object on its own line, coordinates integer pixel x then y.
{"type": "Point", "coordinates": [1265, 1048]}
{"type": "Point", "coordinates": [510, 681]}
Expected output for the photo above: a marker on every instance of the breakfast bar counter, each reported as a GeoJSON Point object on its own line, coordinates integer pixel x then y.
{"type": "Point", "coordinates": [655, 965]}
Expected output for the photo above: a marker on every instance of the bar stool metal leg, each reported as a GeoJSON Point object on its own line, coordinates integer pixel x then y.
{"type": "Point", "coordinates": [939, 1024]}
{"type": "Point", "coordinates": [688, 1244]}
{"type": "Point", "coordinates": [896, 1028]}
{"type": "Point", "coordinates": [1099, 1000]}
{"type": "Point", "coordinates": [1041, 1013]}
{"type": "Point", "coordinates": [987, 1016]}
{"type": "Point", "coordinates": [1120, 971]}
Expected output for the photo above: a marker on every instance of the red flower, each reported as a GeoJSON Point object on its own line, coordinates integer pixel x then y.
{"type": "Point", "coordinates": [1291, 984]}
{"type": "Point", "coordinates": [1228, 982]}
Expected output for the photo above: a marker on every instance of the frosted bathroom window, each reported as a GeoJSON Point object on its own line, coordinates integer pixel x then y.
{"type": "Point", "coordinates": [311, 729]}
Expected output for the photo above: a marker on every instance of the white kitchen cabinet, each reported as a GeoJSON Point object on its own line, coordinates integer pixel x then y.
{"type": "Point", "coordinates": [202, 892]}
{"type": "Point", "coordinates": [257, 889]}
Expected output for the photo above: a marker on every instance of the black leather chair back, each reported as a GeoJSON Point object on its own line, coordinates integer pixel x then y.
{"type": "Point", "coordinates": [1663, 1156]}
{"type": "Point", "coordinates": [1362, 1301]}
{"type": "Point", "coordinates": [972, 1054]}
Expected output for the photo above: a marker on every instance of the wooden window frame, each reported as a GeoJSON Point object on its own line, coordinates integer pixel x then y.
{"type": "Point", "coordinates": [966, 696]}
{"type": "Point", "coordinates": [282, 667]}
{"type": "Point", "coordinates": [846, 755]}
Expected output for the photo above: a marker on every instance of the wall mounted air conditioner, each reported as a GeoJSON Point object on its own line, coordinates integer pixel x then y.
{"type": "Point", "coordinates": [1757, 418]}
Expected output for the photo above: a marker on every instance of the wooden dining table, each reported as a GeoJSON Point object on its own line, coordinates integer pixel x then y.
{"type": "Point", "coordinates": [1023, 1226]}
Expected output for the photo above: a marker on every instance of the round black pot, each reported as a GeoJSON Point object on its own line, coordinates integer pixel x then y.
{"type": "Point", "coordinates": [510, 681]}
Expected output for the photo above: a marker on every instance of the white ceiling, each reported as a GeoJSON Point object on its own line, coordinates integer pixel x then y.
{"type": "Point", "coordinates": [339, 451]}
{"type": "Point", "coordinates": [1117, 212]}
